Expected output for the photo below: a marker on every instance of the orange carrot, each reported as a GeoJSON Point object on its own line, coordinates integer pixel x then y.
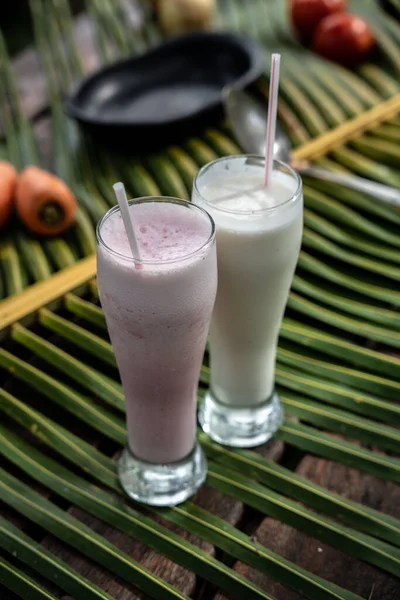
{"type": "Point", "coordinates": [8, 180]}
{"type": "Point", "coordinates": [44, 202]}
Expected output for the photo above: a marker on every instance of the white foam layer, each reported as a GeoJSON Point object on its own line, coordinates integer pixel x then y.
{"type": "Point", "coordinates": [241, 202]}
{"type": "Point", "coordinates": [165, 231]}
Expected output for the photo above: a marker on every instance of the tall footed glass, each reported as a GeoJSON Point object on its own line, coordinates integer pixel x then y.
{"type": "Point", "coordinates": [158, 310]}
{"type": "Point", "coordinates": [259, 234]}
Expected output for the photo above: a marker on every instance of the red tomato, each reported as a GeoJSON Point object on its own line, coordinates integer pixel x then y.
{"type": "Point", "coordinates": [343, 38]}
{"type": "Point", "coordinates": [306, 14]}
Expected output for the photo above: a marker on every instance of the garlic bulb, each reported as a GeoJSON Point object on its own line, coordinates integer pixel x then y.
{"type": "Point", "coordinates": [176, 16]}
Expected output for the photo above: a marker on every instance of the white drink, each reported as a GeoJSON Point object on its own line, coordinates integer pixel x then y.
{"type": "Point", "coordinates": [256, 261]}
{"type": "Point", "coordinates": [259, 234]}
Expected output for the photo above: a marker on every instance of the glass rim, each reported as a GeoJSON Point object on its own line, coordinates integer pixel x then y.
{"type": "Point", "coordinates": [160, 199]}
{"type": "Point", "coordinates": [269, 209]}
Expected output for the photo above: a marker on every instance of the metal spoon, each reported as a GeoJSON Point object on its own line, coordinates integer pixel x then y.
{"type": "Point", "coordinates": [249, 123]}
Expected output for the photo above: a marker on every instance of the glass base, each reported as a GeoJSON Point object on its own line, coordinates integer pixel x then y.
{"type": "Point", "coordinates": [240, 427]}
{"type": "Point", "coordinates": [162, 485]}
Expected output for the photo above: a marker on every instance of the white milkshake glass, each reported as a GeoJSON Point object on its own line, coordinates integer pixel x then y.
{"type": "Point", "coordinates": [259, 235]}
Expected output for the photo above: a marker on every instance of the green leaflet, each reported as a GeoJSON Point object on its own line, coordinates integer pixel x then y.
{"type": "Point", "coordinates": [316, 242]}
{"type": "Point", "coordinates": [335, 210]}
{"type": "Point", "coordinates": [78, 335]}
{"type": "Point", "coordinates": [380, 363]}
{"type": "Point", "coordinates": [343, 322]}
{"type": "Point", "coordinates": [292, 356]}
{"type": "Point", "coordinates": [11, 266]}
{"type": "Point", "coordinates": [188, 516]}
{"type": "Point", "coordinates": [86, 310]}
{"type": "Point", "coordinates": [81, 406]}
{"type": "Point", "coordinates": [61, 524]}
{"type": "Point", "coordinates": [87, 457]}
{"type": "Point", "coordinates": [317, 442]}
{"type": "Point", "coordinates": [41, 560]}
{"type": "Point", "coordinates": [243, 488]}
{"type": "Point", "coordinates": [353, 280]}
{"type": "Point", "coordinates": [340, 421]}
{"type": "Point", "coordinates": [104, 387]}
{"type": "Point", "coordinates": [112, 510]}
{"type": "Point", "coordinates": [281, 479]}
{"type": "Point", "coordinates": [327, 294]}
{"type": "Point", "coordinates": [288, 511]}
{"type": "Point", "coordinates": [18, 582]}
{"type": "Point", "coordinates": [338, 395]}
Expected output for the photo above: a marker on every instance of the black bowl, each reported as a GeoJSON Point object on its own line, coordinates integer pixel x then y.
{"type": "Point", "coordinates": [166, 93]}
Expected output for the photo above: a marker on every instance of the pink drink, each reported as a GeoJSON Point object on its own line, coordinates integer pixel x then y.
{"type": "Point", "coordinates": [158, 317]}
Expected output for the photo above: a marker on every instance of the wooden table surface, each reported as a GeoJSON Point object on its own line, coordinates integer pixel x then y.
{"type": "Point", "coordinates": [305, 551]}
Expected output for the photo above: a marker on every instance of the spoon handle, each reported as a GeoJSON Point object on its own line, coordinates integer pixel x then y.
{"type": "Point", "coordinates": [383, 192]}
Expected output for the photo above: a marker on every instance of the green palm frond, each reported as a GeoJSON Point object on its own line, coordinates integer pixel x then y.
{"type": "Point", "coordinates": [41, 560]}
{"type": "Point", "coordinates": [338, 388]}
{"type": "Point", "coordinates": [73, 532]}
{"type": "Point", "coordinates": [18, 582]}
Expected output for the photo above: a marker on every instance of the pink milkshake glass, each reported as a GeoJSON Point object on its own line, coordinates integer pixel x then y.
{"type": "Point", "coordinates": [158, 310]}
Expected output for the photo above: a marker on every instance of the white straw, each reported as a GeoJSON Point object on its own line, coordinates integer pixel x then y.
{"type": "Point", "coordinates": [120, 194]}
{"type": "Point", "coordinates": [272, 115]}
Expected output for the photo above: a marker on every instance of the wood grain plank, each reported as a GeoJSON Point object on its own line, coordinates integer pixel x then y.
{"type": "Point", "coordinates": [178, 576]}
{"type": "Point", "coordinates": [121, 590]}
{"type": "Point", "coordinates": [226, 508]}
{"type": "Point", "coordinates": [321, 559]}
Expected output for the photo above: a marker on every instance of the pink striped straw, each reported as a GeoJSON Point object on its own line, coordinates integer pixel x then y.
{"type": "Point", "coordinates": [272, 115]}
